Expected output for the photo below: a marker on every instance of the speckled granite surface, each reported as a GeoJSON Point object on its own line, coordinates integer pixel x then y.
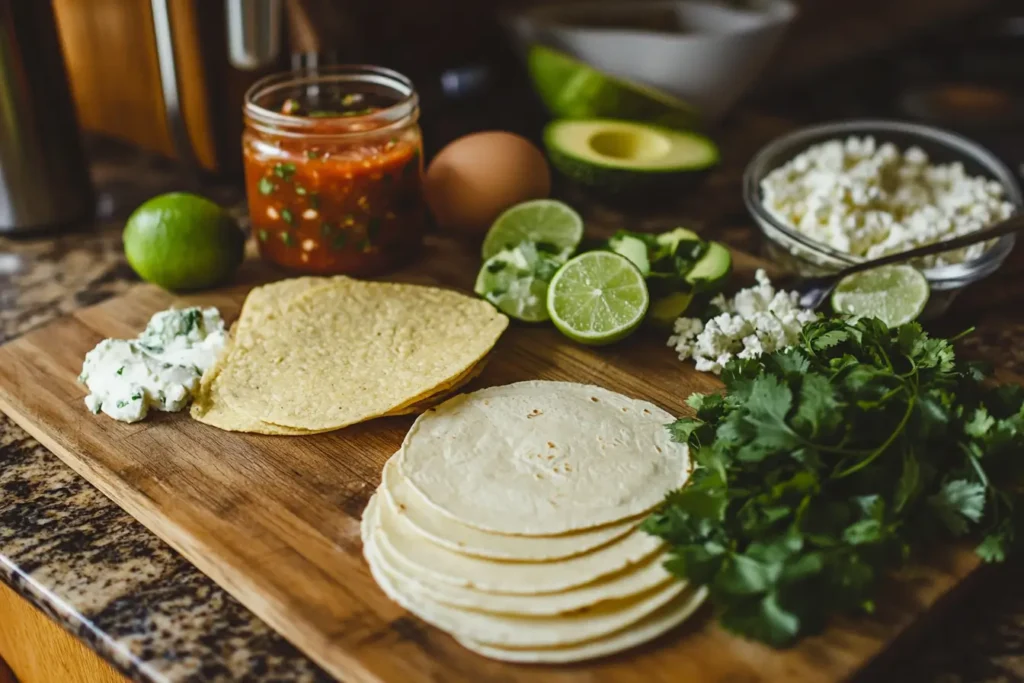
{"type": "Point", "coordinates": [105, 578]}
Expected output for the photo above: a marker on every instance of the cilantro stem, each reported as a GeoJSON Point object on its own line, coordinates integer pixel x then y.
{"type": "Point", "coordinates": [857, 467]}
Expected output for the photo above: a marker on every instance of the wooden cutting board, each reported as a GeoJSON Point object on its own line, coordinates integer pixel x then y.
{"type": "Point", "coordinates": [275, 520]}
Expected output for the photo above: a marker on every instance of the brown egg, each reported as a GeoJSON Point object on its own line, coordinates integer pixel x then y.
{"type": "Point", "coordinates": [475, 178]}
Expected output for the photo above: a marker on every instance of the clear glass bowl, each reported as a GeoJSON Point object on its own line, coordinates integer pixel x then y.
{"type": "Point", "coordinates": [800, 254]}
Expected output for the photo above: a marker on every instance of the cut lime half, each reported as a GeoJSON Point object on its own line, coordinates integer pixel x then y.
{"type": "Point", "coordinates": [893, 294]}
{"type": "Point", "coordinates": [547, 222]}
{"type": "Point", "coordinates": [598, 298]}
{"type": "Point", "coordinates": [516, 281]}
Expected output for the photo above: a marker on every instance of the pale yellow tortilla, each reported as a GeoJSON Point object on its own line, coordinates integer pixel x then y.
{"type": "Point", "coordinates": [518, 631]}
{"type": "Point", "coordinates": [495, 576]}
{"type": "Point", "coordinates": [681, 608]}
{"type": "Point", "coordinates": [349, 351]}
{"type": "Point", "coordinates": [445, 531]}
{"type": "Point", "coordinates": [635, 579]}
{"type": "Point", "coordinates": [543, 458]}
{"type": "Point", "coordinates": [263, 307]}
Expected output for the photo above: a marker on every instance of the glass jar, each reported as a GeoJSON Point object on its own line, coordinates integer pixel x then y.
{"type": "Point", "coordinates": [333, 169]}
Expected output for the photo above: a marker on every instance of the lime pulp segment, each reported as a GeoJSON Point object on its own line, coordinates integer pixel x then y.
{"type": "Point", "coordinates": [597, 298]}
{"type": "Point", "coordinates": [516, 282]}
{"type": "Point", "coordinates": [894, 294]}
{"type": "Point", "coordinates": [544, 221]}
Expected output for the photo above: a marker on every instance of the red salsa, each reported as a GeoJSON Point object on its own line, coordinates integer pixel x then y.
{"type": "Point", "coordinates": [335, 189]}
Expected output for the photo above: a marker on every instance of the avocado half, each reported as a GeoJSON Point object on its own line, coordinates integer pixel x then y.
{"type": "Point", "coordinates": [625, 157]}
{"type": "Point", "coordinates": [571, 89]}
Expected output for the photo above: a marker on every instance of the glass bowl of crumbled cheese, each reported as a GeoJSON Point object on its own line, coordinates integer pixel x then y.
{"type": "Point", "coordinates": [835, 194]}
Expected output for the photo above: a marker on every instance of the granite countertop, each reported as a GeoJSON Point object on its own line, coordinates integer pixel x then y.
{"type": "Point", "coordinates": [105, 578]}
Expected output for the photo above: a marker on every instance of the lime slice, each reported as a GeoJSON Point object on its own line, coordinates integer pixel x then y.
{"type": "Point", "coordinates": [597, 298]}
{"type": "Point", "coordinates": [181, 241]}
{"type": "Point", "coordinates": [516, 281]}
{"type": "Point", "coordinates": [547, 222]}
{"type": "Point", "coordinates": [893, 294]}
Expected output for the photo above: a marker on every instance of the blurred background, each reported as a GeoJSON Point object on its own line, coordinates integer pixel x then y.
{"type": "Point", "coordinates": [957, 56]}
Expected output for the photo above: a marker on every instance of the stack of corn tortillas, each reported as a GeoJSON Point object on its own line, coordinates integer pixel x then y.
{"type": "Point", "coordinates": [316, 354]}
{"type": "Point", "coordinates": [509, 518]}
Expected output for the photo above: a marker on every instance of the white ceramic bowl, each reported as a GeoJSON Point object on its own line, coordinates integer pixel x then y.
{"type": "Point", "coordinates": [710, 59]}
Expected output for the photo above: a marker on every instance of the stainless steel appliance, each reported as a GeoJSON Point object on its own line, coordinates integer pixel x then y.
{"type": "Point", "coordinates": [44, 181]}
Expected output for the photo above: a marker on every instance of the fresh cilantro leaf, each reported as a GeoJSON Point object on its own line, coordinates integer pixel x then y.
{"type": "Point", "coordinates": [958, 502]}
{"type": "Point", "coordinates": [980, 424]}
{"type": "Point", "coordinates": [763, 618]}
{"type": "Point", "coordinates": [818, 409]}
{"type": "Point", "coordinates": [995, 546]}
{"type": "Point", "coordinates": [910, 481]}
{"type": "Point", "coordinates": [682, 428]}
{"type": "Point", "coordinates": [827, 340]}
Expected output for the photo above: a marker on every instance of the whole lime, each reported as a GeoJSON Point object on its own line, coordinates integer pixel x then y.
{"type": "Point", "coordinates": [181, 241]}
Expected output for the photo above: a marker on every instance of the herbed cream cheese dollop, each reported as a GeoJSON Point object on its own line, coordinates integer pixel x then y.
{"type": "Point", "coordinates": [159, 369]}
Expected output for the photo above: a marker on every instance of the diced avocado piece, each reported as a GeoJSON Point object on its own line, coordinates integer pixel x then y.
{"type": "Point", "coordinates": [620, 157]}
{"type": "Point", "coordinates": [634, 249]}
{"type": "Point", "coordinates": [675, 236]}
{"type": "Point", "coordinates": [571, 89]}
{"type": "Point", "coordinates": [664, 311]}
{"type": "Point", "coordinates": [712, 270]}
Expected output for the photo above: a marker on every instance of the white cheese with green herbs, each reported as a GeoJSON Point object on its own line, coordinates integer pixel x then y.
{"type": "Point", "coordinates": [759, 319]}
{"type": "Point", "coordinates": [869, 199]}
{"type": "Point", "coordinates": [160, 369]}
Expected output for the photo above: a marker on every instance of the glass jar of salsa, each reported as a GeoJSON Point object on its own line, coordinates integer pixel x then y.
{"type": "Point", "coordinates": [333, 169]}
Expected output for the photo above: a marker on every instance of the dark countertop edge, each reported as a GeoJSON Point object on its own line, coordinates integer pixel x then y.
{"type": "Point", "coordinates": [72, 621]}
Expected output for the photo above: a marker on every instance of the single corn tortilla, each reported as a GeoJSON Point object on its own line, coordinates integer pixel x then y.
{"type": "Point", "coordinates": [349, 351]}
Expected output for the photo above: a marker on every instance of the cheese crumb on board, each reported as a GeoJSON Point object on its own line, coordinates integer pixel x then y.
{"type": "Point", "coordinates": [869, 200]}
{"type": "Point", "coordinates": [759, 319]}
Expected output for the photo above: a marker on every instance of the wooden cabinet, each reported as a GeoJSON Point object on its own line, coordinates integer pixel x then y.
{"type": "Point", "coordinates": [37, 650]}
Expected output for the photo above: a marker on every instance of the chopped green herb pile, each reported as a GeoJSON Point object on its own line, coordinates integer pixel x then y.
{"type": "Point", "coordinates": [828, 464]}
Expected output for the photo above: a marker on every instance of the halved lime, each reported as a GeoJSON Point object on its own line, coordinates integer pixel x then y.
{"type": "Point", "coordinates": [893, 294]}
{"type": "Point", "coordinates": [598, 298]}
{"type": "Point", "coordinates": [546, 222]}
{"type": "Point", "coordinates": [516, 281]}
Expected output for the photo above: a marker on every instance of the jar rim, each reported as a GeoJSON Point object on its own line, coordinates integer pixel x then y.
{"type": "Point", "coordinates": [270, 121]}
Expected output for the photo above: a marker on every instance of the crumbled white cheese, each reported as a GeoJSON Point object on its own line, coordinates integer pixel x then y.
{"type": "Point", "coordinates": [869, 200]}
{"type": "Point", "coordinates": [759, 319]}
{"type": "Point", "coordinates": [159, 369]}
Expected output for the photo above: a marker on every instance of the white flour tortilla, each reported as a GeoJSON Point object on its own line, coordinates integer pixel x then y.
{"type": "Point", "coordinates": [543, 458]}
{"type": "Point", "coordinates": [445, 531]}
{"type": "Point", "coordinates": [633, 580]}
{"type": "Point", "coordinates": [398, 534]}
{"type": "Point", "coordinates": [518, 631]}
{"type": "Point", "coordinates": [650, 627]}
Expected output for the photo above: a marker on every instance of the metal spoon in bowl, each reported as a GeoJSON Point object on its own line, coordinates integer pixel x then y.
{"type": "Point", "coordinates": [814, 291]}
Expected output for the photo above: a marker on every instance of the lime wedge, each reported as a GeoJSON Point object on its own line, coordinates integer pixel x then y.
{"type": "Point", "coordinates": [516, 281]}
{"type": "Point", "coordinates": [597, 298]}
{"type": "Point", "coordinates": [551, 224]}
{"type": "Point", "coordinates": [893, 294]}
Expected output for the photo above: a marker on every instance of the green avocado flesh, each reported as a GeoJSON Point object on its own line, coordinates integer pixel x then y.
{"type": "Point", "coordinates": [571, 89]}
{"type": "Point", "coordinates": [619, 156]}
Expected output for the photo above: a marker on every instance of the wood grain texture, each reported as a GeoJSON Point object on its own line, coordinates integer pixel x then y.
{"type": "Point", "coordinates": [275, 520]}
{"type": "Point", "coordinates": [39, 651]}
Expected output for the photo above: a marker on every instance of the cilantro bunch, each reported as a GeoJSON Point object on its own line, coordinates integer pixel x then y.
{"type": "Point", "coordinates": [826, 465]}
